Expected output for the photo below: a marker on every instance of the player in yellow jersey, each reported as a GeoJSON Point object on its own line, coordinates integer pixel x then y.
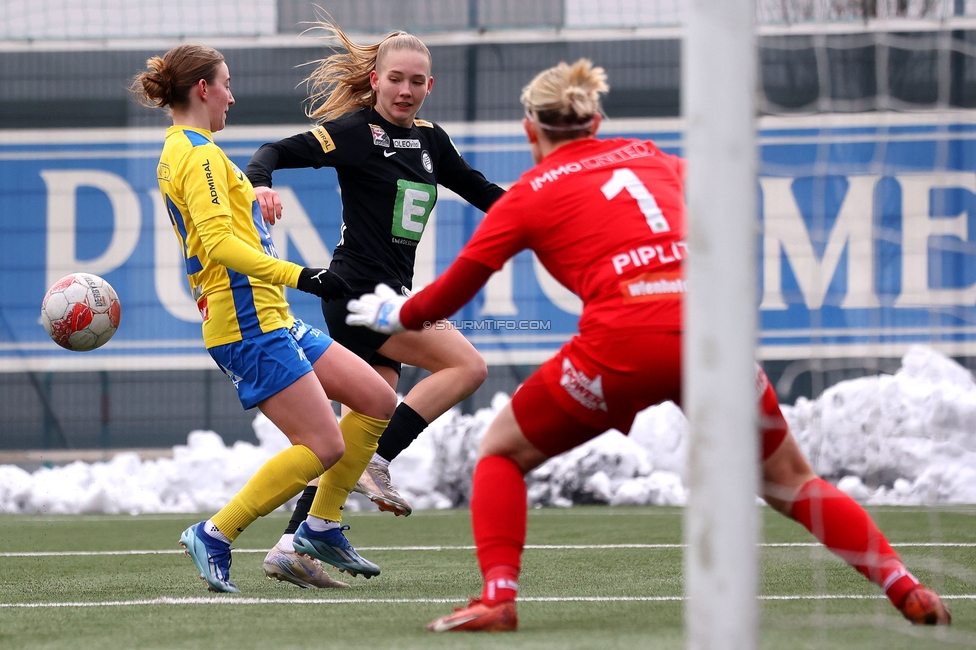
{"type": "Point", "coordinates": [284, 367]}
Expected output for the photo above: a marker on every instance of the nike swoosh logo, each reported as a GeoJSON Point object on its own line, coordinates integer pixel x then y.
{"type": "Point", "coordinates": [387, 154]}
{"type": "Point", "coordinates": [443, 626]}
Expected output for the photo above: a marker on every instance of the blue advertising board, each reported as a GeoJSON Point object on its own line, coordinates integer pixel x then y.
{"type": "Point", "coordinates": [866, 243]}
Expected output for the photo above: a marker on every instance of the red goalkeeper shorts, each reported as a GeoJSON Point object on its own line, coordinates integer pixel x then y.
{"type": "Point", "coordinates": [591, 386]}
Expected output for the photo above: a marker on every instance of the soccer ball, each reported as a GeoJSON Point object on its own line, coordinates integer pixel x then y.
{"type": "Point", "coordinates": [81, 312]}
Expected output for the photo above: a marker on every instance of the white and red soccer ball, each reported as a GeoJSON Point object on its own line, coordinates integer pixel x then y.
{"type": "Point", "coordinates": [81, 312]}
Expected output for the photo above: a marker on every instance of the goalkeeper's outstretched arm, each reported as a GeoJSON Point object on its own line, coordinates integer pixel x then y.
{"type": "Point", "coordinates": [388, 312]}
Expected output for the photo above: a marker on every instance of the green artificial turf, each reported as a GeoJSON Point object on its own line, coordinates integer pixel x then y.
{"type": "Point", "coordinates": [155, 600]}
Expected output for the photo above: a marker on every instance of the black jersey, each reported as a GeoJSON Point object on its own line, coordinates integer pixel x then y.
{"type": "Point", "coordinates": [388, 177]}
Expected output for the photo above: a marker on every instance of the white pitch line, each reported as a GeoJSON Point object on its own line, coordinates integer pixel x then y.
{"type": "Point", "coordinates": [231, 600]}
{"type": "Point", "coordinates": [540, 547]}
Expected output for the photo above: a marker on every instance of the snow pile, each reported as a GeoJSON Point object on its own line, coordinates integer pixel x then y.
{"type": "Point", "coordinates": [908, 438]}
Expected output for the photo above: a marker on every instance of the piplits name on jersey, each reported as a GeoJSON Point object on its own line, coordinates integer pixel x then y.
{"type": "Point", "coordinates": [646, 255]}
{"type": "Point", "coordinates": [654, 284]}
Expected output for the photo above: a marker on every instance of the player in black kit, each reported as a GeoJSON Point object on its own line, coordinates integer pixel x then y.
{"type": "Point", "coordinates": [389, 165]}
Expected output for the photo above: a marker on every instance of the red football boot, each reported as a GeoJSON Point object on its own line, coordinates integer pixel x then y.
{"type": "Point", "coordinates": [922, 606]}
{"type": "Point", "coordinates": [478, 617]}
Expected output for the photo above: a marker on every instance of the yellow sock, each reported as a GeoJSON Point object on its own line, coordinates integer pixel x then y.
{"type": "Point", "coordinates": [280, 478]}
{"type": "Point", "coordinates": [362, 434]}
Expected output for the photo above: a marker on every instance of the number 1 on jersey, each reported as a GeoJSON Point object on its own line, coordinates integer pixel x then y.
{"type": "Point", "coordinates": [625, 179]}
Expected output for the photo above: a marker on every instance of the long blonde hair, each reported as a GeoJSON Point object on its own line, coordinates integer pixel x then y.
{"type": "Point", "coordinates": [564, 99]}
{"type": "Point", "coordinates": [167, 79]}
{"type": "Point", "coordinates": [340, 82]}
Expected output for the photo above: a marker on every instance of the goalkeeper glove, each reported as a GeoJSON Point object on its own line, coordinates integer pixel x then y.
{"type": "Point", "coordinates": [379, 311]}
{"type": "Point", "coordinates": [322, 283]}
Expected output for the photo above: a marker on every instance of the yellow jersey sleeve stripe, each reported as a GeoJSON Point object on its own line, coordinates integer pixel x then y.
{"type": "Point", "coordinates": [325, 140]}
{"type": "Point", "coordinates": [223, 247]}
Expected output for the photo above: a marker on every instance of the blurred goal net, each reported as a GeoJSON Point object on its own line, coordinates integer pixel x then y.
{"type": "Point", "coordinates": [867, 274]}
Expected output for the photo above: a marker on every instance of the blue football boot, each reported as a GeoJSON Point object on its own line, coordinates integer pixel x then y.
{"type": "Point", "coordinates": [211, 557]}
{"type": "Point", "coordinates": [332, 547]}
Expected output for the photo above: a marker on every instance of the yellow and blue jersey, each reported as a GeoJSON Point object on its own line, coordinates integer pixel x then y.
{"type": "Point", "coordinates": [231, 263]}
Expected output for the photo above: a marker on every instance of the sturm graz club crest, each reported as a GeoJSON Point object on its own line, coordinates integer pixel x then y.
{"type": "Point", "coordinates": [425, 159]}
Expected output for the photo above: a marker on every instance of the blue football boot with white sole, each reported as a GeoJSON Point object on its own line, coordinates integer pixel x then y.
{"type": "Point", "coordinates": [332, 547]}
{"type": "Point", "coordinates": [211, 557]}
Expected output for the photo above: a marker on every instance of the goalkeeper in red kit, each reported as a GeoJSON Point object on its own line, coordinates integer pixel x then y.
{"type": "Point", "coordinates": [607, 219]}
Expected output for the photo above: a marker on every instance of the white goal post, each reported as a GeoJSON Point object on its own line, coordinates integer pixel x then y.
{"type": "Point", "coordinates": [721, 521]}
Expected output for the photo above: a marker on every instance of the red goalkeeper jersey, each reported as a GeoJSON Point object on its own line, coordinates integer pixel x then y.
{"type": "Point", "coordinates": [607, 219]}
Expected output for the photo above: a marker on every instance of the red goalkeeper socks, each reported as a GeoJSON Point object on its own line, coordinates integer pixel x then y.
{"type": "Point", "coordinates": [844, 527]}
{"type": "Point", "coordinates": [498, 514]}
{"type": "Point", "coordinates": [501, 584]}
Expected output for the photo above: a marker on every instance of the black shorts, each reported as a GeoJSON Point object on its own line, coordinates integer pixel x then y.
{"type": "Point", "coordinates": [363, 341]}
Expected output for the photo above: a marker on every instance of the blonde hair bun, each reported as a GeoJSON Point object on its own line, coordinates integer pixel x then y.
{"type": "Point", "coordinates": [566, 95]}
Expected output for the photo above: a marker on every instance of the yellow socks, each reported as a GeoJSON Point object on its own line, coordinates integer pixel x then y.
{"type": "Point", "coordinates": [288, 472]}
{"type": "Point", "coordinates": [283, 476]}
{"type": "Point", "coordinates": [362, 434]}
